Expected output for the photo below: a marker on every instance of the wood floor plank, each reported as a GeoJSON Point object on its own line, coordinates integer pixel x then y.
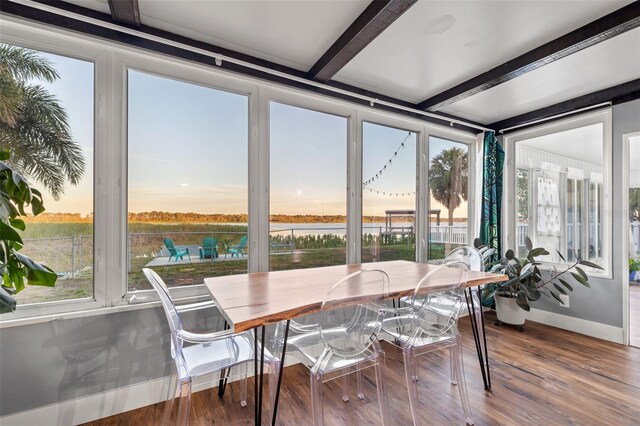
{"type": "Point", "coordinates": [542, 376]}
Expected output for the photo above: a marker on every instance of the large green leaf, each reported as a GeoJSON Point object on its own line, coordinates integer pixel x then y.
{"type": "Point", "coordinates": [528, 244]}
{"type": "Point", "coordinates": [582, 273]}
{"type": "Point", "coordinates": [560, 289]}
{"type": "Point", "coordinates": [7, 303]}
{"type": "Point", "coordinates": [37, 274]}
{"type": "Point", "coordinates": [590, 264]}
{"type": "Point", "coordinates": [522, 301]}
{"type": "Point", "coordinates": [581, 280]}
{"type": "Point", "coordinates": [566, 284]}
{"type": "Point", "coordinates": [8, 233]}
{"type": "Point", "coordinates": [555, 296]}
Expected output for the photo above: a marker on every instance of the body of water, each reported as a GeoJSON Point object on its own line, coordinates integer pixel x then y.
{"type": "Point", "coordinates": [335, 228]}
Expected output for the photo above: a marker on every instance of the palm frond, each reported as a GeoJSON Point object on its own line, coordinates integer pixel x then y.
{"type": "Point", "coordinates": [25, 64]}
{"type": "Point", "coordinates": [10, 99]}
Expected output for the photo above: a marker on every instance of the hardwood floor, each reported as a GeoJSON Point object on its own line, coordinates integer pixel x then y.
{"type": "Point", "coordinates": [634, 314]}
{"type": "Point", "coordinates": [542, 376]}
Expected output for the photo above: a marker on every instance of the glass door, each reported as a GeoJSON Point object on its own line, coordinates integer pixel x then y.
{"type": "Point", "coordinates": [634, 240]}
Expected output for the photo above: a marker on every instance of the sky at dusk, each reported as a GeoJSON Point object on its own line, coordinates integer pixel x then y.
{"type": "Point", "coordinates": [188, 151]}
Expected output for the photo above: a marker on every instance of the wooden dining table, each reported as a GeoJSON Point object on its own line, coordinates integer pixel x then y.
{"type": "Point", "coordinates": [255, 300]}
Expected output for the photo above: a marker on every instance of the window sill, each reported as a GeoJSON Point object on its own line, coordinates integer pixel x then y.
{"type": "Point", "coordinates": [6, 321]}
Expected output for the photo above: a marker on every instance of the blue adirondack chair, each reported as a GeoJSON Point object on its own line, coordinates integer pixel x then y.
{"type": "Point", "coordinates": [209, 249]}
{"type": "Point", "coordinates": [236, 250]}
{"type": "Point", "coordinates": [175, 252]}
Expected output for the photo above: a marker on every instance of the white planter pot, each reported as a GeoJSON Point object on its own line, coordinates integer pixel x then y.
{"type": "Point", "coordinates": [509, 312]}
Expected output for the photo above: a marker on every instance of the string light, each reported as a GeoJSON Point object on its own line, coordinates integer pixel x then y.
{"type": "Point", "coordinates": [390, 194]}
{"type": "Point", "coordinates": [378, 174]}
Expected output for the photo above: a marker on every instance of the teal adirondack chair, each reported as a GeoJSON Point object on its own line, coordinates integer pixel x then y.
{"type": "Point", "coordinates": [175, 252]}
{"type": "Point", "coordinates": [209, 249]}
{"type": "Point", "coordinates": [236, 250]}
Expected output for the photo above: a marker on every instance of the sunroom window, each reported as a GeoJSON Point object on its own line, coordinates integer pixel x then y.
{"type": "Point", "coordinates": [560, 193]}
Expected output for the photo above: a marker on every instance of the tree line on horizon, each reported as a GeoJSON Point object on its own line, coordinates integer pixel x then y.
{"type": "Point", "coordinates": [190, 217]}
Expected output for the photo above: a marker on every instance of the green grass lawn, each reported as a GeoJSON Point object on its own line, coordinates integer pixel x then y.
{"type": "Point", "coordinates": [52, 244]}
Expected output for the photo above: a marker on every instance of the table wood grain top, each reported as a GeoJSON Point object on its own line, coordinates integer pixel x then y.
{"type": "Point", "coordinates": [250, 300]}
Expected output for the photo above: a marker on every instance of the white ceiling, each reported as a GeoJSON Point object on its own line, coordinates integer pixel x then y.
{"type": "Point", "coordinates": [291, 33]}
{"type": "Point", "coordinates": [582, 143]}
{"type": "Point", "coordinates": [434, 46]}
{"type": "Point", "coordinates": [438, 44]}
{"type": "Point", "coordinates": [606, 64]}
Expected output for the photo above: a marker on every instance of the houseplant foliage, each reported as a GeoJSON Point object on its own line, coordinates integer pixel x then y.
{"type": "Point", "coordinates": [526, 282]}
{"type": "Point", "coordinates": [17, 269]}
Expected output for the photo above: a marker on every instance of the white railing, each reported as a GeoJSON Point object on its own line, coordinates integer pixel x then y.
{"type": "Point", "coordinates": [448, 234]}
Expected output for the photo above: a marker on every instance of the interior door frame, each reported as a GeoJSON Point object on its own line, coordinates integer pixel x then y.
{"type": "Point", "coordinates": [626, 311]}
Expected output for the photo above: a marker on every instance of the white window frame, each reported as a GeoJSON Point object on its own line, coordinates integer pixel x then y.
{"type": "Point", "coordinates": [158, 66]}
{"type": "Point", "coordinates": [39, 39]}
{"type": "Point", "coordinates": [509, 226]}
{"type": "Point", "coordinates": [408, 125]}
{"type": "Point", "coordinates": [471, 141]}
{"type": "Point", "coordinates": [311, 103]}
{"type": "Point", "coordinates": [111, 62]}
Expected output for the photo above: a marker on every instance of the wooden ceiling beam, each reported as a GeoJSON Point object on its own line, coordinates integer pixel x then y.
{"type": "Point", "coordinates": [376, 18]}
{"type": "Point", "coordinates": [125, 12]}
{"type": "Point", "coordinates": [620, 93]}
{"type": "Point", "coordinates": [602, 29]}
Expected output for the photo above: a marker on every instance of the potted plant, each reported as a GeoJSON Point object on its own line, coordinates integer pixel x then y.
{"type": "Point", "coordinates": [634, 269]}
{"type": "Point", "coordinates": [527, 283]}
{"type": "Point", "coordinates": [16, 269]}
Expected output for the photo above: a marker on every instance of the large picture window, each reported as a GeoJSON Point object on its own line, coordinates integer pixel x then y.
{"type": "Point", "coordinates": [388, 193]}
{"type": "Point", "coordinates": [308, 188]}
{"type": "Point", "coordinates": [52, 144]}
{"type": "Point", "coordinates": [560, 190]}
{"type": "Point", "coordinates": [188, 198]}
{"type": "Point", "coordinates": [449, 169]}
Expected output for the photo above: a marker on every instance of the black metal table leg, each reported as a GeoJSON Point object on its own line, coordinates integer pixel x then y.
{"type": "Point", "coordinates": [255, 375]}
{"type": "Point", "coordinates": [483, 357]}
{"type": "Point", "coordinates": [284, 350]}
{"type": "Point", "coordinates": [224, 374]}
{"type": "Point", "coordinates": [484, 338]}
{"type": "Point", "coordinates": [261, 376]}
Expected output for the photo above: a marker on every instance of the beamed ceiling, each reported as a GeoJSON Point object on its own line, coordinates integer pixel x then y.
{"type": "Point", "coordinates": [491, 62]}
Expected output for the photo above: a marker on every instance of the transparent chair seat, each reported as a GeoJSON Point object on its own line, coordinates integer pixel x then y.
{"type": "Point", "coordinates": [217, 355]}
{"type": "Point", "coordinates": [404, 327]}
{"type": "Point", "coordinates": [309, 349]}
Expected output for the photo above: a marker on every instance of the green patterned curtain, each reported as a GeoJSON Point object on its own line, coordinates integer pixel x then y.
{"type": "Point", "coordinates": [491, 213]}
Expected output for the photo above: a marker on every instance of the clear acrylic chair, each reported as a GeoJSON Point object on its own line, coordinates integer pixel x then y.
{"type": "Point", "coordinates": [198, 354]}
{"type": "Point", "coordinates": [428, 323]}
{"type": "Point", "coordinates": [476, 260]}
{"type": "Point", "coordinates": [342, 339]}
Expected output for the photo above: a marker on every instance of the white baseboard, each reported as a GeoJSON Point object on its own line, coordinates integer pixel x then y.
{"type": "Point", "coordinates": [577, 325]}
{"type": "Point", "coordinates": [92, 407]}
{"type": "Point", "coordinates": [108, 403]}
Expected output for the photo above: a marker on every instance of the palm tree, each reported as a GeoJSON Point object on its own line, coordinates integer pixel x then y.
{"type": "Point", "coordinates": [33, 125]}
{"type": "Point", "coordinates": [448, 184]}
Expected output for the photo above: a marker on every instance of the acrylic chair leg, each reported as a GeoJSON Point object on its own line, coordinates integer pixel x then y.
{"type": "Point", "coordinates": [412, 386]}
{"type": "Point", "coordinates": [414, 367]}
{"type": "Point", "coordinates": [274, 371]}
{"type": "Point", "coordinates": [185, 402]}
{"type": "Point", "coordinates": [359, 385]}
{"type": "Point", "coordinates": [345, 385]}
{"type": "Point", "coordinates": [462, 382]}
{"type": "Point", "coordinates": [452, 362]}
{"type": "Point", "coordinates": [171, 396]}
{"type": "Point", "coordinates": [243, 386]}
{"type": "Point", "coordinates": [316, 399]}
{"type": "Point", "coordinates": [382, 395]}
